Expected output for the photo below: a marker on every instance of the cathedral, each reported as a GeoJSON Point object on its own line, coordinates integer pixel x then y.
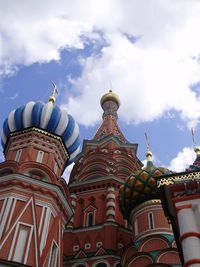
{"type": "Point", "coordinates": [114, 212]}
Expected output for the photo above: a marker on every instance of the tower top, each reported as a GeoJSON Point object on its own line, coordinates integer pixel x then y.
{"type": "Point", "coordinates": [110, 96]}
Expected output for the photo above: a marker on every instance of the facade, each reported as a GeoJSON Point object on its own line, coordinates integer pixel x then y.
{"type": "Point", "coordinates": [180, 194]}
{"type": "Point", "coordinates": [109, 214]}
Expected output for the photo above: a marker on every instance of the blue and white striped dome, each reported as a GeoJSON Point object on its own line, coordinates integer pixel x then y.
{"type": "Point", "coordinates": [48, 117]}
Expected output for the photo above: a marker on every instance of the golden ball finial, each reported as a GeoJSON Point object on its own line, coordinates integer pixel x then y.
{"type": "Point", "coordinates": [110, 96]}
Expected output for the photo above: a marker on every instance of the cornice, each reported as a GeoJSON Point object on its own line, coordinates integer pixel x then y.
{"type": "Point", "coordinates": [40, 184]}
{"type": "Point", "coordinates": [178, 178]}
{"type": "Point", "coordinates": [96, 180]}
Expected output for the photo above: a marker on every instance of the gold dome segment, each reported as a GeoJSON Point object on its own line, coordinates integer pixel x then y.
{"type": "Point", "coordinates": [110, 96]}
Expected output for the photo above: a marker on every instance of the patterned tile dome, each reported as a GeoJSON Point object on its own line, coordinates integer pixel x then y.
{"type": "Point", "coordinates": [48, 117]}
{"type": "Point", "coordinates": [140, 187]}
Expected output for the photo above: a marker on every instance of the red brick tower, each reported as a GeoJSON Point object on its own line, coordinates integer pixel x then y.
{"type": "Point", "coordinates": [34, 200]}
{"type": "Point", "coordinates": [97, 233]}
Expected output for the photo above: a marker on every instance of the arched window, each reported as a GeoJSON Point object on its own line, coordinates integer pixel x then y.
{"type": "Point", "coordinates": [18, 155]}
{"type": "Point", "coordinates": [40, 156]}
{"type": "Point", "coordinates": [151, 220]}
{"type": "Point", "coordinates": [90, 218]}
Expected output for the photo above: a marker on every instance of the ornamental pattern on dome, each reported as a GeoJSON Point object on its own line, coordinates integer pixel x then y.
{"type": "Point", "coordinates": [140, 187]}
{"type": "Point", "coordinates": [48, 117]}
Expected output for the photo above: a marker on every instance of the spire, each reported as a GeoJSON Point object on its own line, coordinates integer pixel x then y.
{"type": "Point", "coordinates": [148, 152]}
{"type": "Point", "coordinates": [52, 98]}
{"type": "Point", "coordinates": [110, 103]}
{"type": "Point", "coordinates": [196, 148]}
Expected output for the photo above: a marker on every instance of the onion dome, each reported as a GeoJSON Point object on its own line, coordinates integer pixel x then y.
{"type": "Point", "coordinates": [140, 186]}
{"type": "Point", "coordinates": [110, 96]}
{"type": "Point", "coordinates": [48, 117]}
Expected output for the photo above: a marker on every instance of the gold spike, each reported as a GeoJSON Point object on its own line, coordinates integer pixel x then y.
{"type": "Point", "coordinates": [196, 148]}
{"type": "Point", "coordinates": [52, 98]}
{"type": "Point", "coordinates": [148, 153]}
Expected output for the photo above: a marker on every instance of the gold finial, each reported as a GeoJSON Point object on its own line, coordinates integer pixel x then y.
{"type": "Point", "coordinates": [148, 153]}
{"type": "Point", "coordinates": [196, 148]}
{"type": "Point", "coordinates": [52, 98]}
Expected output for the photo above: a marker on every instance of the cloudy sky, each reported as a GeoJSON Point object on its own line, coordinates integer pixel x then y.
{"type": "Point", "coordinates": [148, 49]}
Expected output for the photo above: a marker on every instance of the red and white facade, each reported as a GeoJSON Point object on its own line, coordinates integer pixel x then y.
{"type": "Point", "coordinates": [181, 203]}
{"type": "Point", "coordinates": [34, 205]}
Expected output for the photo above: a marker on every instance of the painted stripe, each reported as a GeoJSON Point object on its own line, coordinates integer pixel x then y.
{"type": "Point", "coordinates": [46, 114]}
{"type": "Point", "coordinates": [36, 114]}
{"type": "Point", "coordinates": [73, 155]}
{"type": "Point", "coordinates": [74, 136]}
{"type": "Point", "coordinates": [75, 145]}
{"type": "Point", "coordinates": [54, 119]}
{"type": "Point", "coordinates": [18, 117]}
{"type": "Point", "coordinates": [27, 114]}
{"type": "Point", "coordinates": [62, 125]}
{"type": "Point", "coordinates": [11, 121]}
{"type": "Point", "coordinates": [3, 137]}
{"type": "Point", "coordinates": [70, 128]}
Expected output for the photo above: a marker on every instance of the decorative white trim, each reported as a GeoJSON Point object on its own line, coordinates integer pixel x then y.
{"type": "Point", "coordinates": [110, 204]}
{"type": "Point", "coordinates": [111, 188]}
{"type": "Point", "coordinates": [45, 229]}
{"type": "Point", "coordinates": [11, 212]}
{"type": "Point", "coordinates": [5, 215]}
{"type": "Point", "coordinates": [41, 219]}
{"type": "Point", "coordinates": [110, 195]}
{"type": "Point", "coordinates": [110, 212]}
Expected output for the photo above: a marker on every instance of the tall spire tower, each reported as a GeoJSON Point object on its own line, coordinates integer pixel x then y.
{"type": "Point", "coordinates": [100, 169]}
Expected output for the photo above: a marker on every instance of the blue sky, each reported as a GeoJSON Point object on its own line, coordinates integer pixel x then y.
{"type": "Point", "coordinates": [148, 49]}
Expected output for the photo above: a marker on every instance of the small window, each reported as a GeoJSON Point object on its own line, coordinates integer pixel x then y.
{"type": "Point", "coordinates": [55, 167]}
{"type": "Point", "coordinates": [76, 248]}
{"type": "Point", "coordinates": [87, 246]}
{"type": "Point", "coordinates": [18, 155]}
{"type": "Point", "coordinates": [99, 244]}
{"type": "Point", "coordinates": [40, 156]}
{"type": "Point", "coordinates": [53, 256]}
{"type": "Point", "coordinates": [136, 227]}
{"type": "Point", "coordinates": [151, 221]}
{"type": "Point", "coordinates": [90, 219]}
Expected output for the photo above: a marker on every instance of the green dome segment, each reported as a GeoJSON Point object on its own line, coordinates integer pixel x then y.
{"type": "Point", "coordinates": [140, 187]}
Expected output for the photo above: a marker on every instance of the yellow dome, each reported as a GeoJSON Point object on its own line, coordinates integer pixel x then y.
{"type": "Point", "coordinates": [110, 96]}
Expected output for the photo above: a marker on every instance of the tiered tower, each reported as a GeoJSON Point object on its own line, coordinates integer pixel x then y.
{"type": "Point", "coordinates": [97, 233]}
{"type": "Point", "coordinates": [153, 239]}
{"type": "Point", "coordinates": [39, 140]}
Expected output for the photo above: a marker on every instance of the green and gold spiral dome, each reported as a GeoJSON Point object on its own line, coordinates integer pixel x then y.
{"type": "Point", "coordinates": [140, 186]}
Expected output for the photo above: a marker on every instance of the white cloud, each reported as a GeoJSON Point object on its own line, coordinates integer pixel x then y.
{"type": "Point", "coordinates": [152, 76]}
{"type": "Point", "coordinates": [183, 159]}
